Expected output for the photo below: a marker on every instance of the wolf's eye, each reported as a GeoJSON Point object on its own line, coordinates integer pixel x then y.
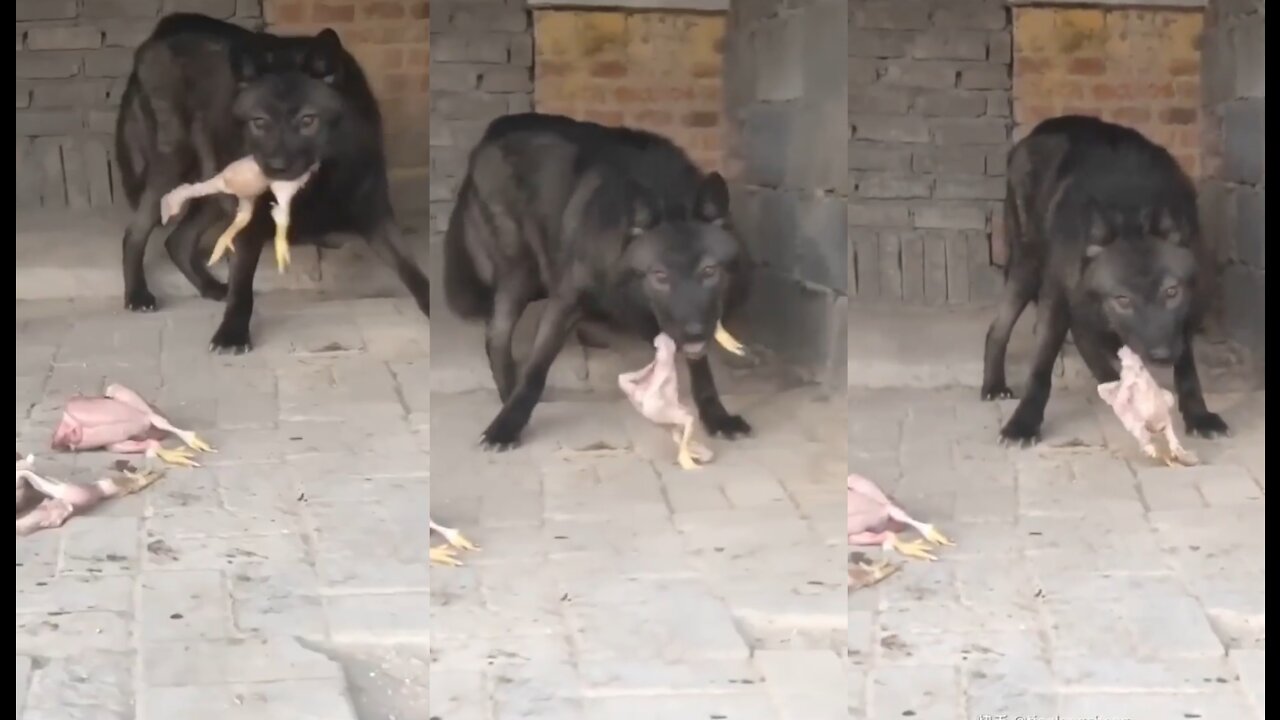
{"type": "Point", "coordinates": [659, 277]}
{"type": "Point", "coordinates": [1173, 291]}
{"type": "Point", "coordinates": [708, 272]}
{"type": "Point", "coordinates": [307, 122]}
{"type": "Point", "coordinates": [258, 124]}
{"type": "Point", "coordinates": [1123, 302]}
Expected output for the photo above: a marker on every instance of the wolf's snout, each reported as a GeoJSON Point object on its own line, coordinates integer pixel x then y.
{"type": "Point", "coordinates": [1161, 355]}
{"type": "Point", "coordinates": [695, 330]}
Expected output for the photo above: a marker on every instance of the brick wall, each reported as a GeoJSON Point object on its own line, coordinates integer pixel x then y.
{"type": "Point", "coordinates": [655, 70]}
{"type": "Point", "coordinates": [929, 99]}
{"type": "Point", "coordinates": [1138, 67]}
{"type": "Point", "coordinates": [785, 88]}
{"type": "Point", "coordinates": [1234, 186]}
{"type": "Point", "coordinates": [389, 38]}
{"type": "Point", "coordinates": [72, 57]}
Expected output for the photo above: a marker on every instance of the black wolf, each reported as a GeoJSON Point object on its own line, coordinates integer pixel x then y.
{"type": "Point", "coordinates": [606, 223]}
{"type": "Point", "coordinates": [203, 93]}
{"type": "Point", "coordinates": [1104, 233]}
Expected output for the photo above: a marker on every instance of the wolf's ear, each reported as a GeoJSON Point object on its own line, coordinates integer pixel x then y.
{"type": "Point", "coordinates": [644, 214]}
{"type": "Point", "coordinates": [324, 58]}
{"type": "Point", "coordinates": [247, 63]}
{"type": "Point", "coordinates": [1166, 228]}
{"type": "Point", "coordinates": [1097, 234]}
{"type": "Point", "coordinates": [712, 202]}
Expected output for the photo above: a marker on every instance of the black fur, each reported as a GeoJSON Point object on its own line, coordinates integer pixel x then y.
{"type": "Point", "coordinates": [1103, 232]}
{"type": "Point", "coordinates": [203, 93]}
{"type": "Point", "coordinates": [605, 223]}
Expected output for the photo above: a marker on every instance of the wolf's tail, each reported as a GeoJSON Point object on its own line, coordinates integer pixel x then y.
{"type": "Point", "coordinates": [464, 291]}
{"type": "Point", "coordinates": [131, 137]}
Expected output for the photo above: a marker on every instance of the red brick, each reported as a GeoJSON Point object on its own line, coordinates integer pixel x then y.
{"type": "Point", "coordinates": [654, 118]}
{"type": "Point", "coordinates": [604, 117]}
{"type": "Point", "coordinates": [382, 10]}
{"type": "Point", "coordinates": [1179, 116]}
{"type": "Point", "coordinates": [329, 12]}
{"type": "Point", "coordinates": [1131, 115]}
{"type": "Point", "coordinates": [420, 10]}
{"type": "Point", "coordinates": [702, 119]}
{"type": "Point", "coordinates": [609, 69]}
{"type": "Point", "coordinates": [1087, 66]}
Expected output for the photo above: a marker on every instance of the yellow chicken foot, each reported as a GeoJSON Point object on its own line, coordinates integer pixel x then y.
{"type": "Point", "coordinates": [444, 555]}
{"type": "Point", "coordinates": [874, 572]}
{"type": "Point", "coordinates": [685, 454]}
{"type": "Point", "coordinates": [193, 441]}
{"type": "Point", "coordinates": [226, 241]}
{"type": "Point", "coordinates": [280, 213]}
{"type": "Point", "coordinates": [282, 247]}
{"type": "Point", "coordinates": [918, 549]}
{"type": "Point", "coordinates": [181, 457]}
{"type": "Point", "coordinates": [729, 342]}
{"type": "Point", "coordinates": [136, 481]}
{"type": "Point", "coordinates": [933, 535]}
{"type": "Point", "coordinates": [454, 537]}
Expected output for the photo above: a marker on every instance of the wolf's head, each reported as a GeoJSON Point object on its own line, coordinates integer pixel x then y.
{"type": "Point", "coordinates": [289, 100]}
{"type": "Point", "coordinates": [1143, 273]}
{"type": "Point", "coordinates": [689, 269]}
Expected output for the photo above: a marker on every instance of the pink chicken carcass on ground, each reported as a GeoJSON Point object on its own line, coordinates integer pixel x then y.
{"type": "Point", "coordinates": [122, 422]}
{"type": "Point", "coordinates": [654, 391]}
{"type": "Point", "coordinates": [447, 554]}
{"type": "Point", "coordinates": [1145, 409]}
{"type": "Point", "coordinates": [47, 503]}
{"type": "Point", "coordinates": [874, 519]}
{"type": "Point", "coordinates": [244, 179]}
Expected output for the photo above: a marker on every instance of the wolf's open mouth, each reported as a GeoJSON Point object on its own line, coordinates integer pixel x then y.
{"type": "Point", "coordinates": [694, 349]}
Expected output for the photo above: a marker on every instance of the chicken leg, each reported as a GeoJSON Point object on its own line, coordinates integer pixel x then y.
{"type": "Point", "coordinates": [447, 554]}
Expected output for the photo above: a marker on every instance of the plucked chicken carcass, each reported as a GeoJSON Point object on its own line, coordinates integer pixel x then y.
{"type": "Point", "coordinates": [1145, 409]}
{"type": "Point", "coordinates": [244, 179]}
{"type": "Point", "coordinates": [122, 422]}
{"type": "Point", "coordinates": [874, 519]}
{"type": "Point", "coordinates": [44, 502]}
{"type": "Point", "coordinates": [654, 391]}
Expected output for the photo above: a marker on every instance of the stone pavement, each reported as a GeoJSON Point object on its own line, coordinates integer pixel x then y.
{"type": "Point", "coordinates": [613, 585]}
{"type": "Point", "coordinates": [287, 578]}
{"type": "Point", "coordinates": [1085, 581]}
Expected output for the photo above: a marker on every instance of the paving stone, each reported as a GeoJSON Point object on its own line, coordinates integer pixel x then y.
{"type": "Point", "coordinates": [66, 634]}
{"type": "Point", "coordinates": [399, 617]}
{"type": "Point", "coordinates": [309, 699]}
{"type": "Point", "coordinates": [219, 662]}
{"type": "Point", "coordinates": [93, 684]}
{"type": "Point", "coordinates": [738, 706]}
{"type": "Point", "coordinates": [183, 605]}
{"type": "Point", "coordinates": [801, 683]}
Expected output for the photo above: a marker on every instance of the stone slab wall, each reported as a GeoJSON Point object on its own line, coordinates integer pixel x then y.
{"type": "Point", "coordinates": [1234, 186]}
{"type": "Point", "coordinates": [481, 68]}
{"type": "Point", "coordinates": [786, 98]}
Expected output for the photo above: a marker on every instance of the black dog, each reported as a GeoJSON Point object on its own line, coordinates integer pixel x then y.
{"type": "Point", "coordinates": [1103, 230]}
{"type": "Point", "coordinates": [204, 93]}
{"type": "Point", "coordinates": [605, 223]}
